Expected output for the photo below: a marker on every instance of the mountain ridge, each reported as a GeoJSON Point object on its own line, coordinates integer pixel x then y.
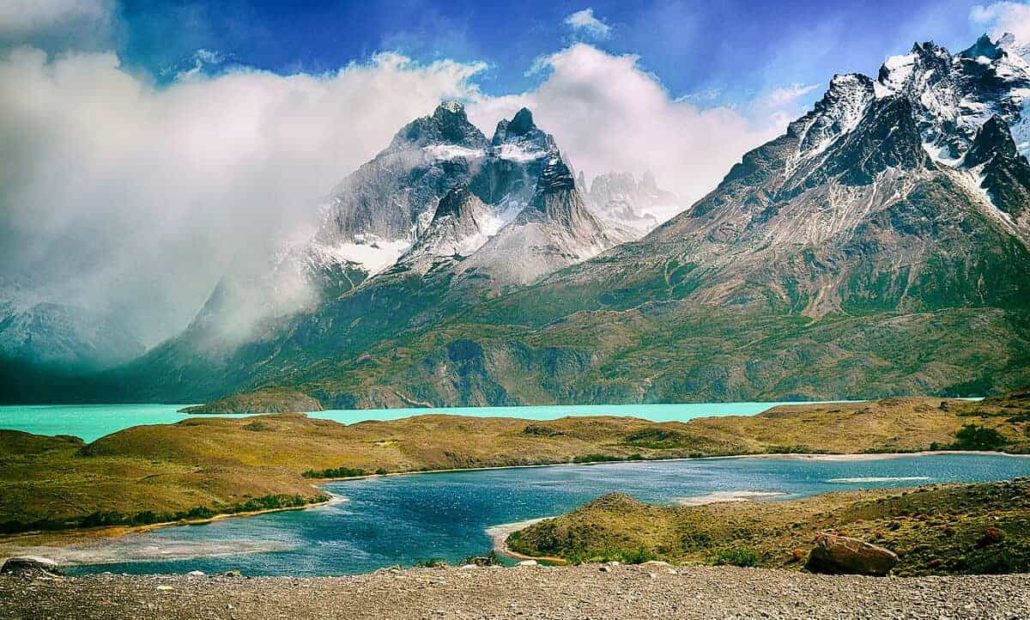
{"type": "Point", "coordinates": [880, 246]}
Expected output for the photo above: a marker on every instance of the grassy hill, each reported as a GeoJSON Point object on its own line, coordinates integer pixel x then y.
{"type": "Point", "coordinates": [978, 528]}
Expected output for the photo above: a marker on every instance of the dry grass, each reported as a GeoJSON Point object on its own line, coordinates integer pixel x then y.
{"type": "Point", "coordinates": [934, 530]}
{"type": "Point", "coordinates": [220, 464]}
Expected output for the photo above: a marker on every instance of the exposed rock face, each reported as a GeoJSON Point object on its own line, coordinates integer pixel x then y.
{"type": "Point", "coordinates": [840, 555]}
{"type": "Point", "coordinates": [1004, 173]}
{"type": "Point", "coordinates": [954, 94]}
{"type": "Point", "coordinates": [850, 209]}
{"type": "Point", "coordinates": [554, 231]}
{"type": "Point", "coordinates": [385, 198]}
{"type": "Point", "coordinates": [461, 224]}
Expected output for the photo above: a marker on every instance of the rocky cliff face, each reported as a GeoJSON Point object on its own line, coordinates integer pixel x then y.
{"type": "Point", "coordinates": [461, 224]}
{"type": "Point", "coordinates": [555, 230]}
{"type": "Point", "coordinates": [854, 209]}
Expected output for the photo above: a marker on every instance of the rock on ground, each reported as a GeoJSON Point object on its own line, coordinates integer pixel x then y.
{"type": "Point", "coordinates": [527, 592]}
{"type": "Point", "coordinates": [28, 563]}
{"type": "Point", "coordinates": [840, 555]}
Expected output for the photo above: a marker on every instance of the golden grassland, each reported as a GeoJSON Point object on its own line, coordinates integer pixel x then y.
{"type": "Point", "coordinates": [976, 528]}
{"type": "Point", "coordinates": [202, 466]}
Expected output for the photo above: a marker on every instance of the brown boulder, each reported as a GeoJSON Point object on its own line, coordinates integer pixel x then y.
{"type": "Point", "coordinates": [839, 555]}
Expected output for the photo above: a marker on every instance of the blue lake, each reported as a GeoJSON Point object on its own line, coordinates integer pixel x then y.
{"type": "Point", "coordinates": [397, 520]}
{"type": "Point", "coordinates": [91, 422]}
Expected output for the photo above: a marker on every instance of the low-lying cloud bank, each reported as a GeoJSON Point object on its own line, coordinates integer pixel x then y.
{"type": "Point", "coordinates": [135, 200]}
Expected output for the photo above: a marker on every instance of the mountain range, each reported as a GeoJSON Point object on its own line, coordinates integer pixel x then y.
{"type": "Point", "coordinates": [880, 246]}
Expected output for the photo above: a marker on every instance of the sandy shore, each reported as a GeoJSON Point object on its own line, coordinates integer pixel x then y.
{"type": "Point", "coordinates": [558, 593]}
{"type": "Point", "coordinates": [103, 545]}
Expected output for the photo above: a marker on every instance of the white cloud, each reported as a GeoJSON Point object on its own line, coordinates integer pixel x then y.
{"type": "Point", "coordinates": [131, 199]}
{"type": "Point", "coordinates": [24, 17]}
{"type": "Point", "coordinates": [1001, 17]}
{"type": "Point", "coordinates": [787, 95]}
{"type": "Point", "coordinates": [606, 113]}
{"type": "Point", "coordinates": [585, 21]}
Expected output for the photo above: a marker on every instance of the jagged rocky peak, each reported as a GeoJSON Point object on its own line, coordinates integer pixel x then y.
{"type": "Point", "coordinates": [520, 125]}
{"type": "Point", "coordinates": [992, 141]}
{"type": "Point", "coordinates": [461, 224]}
{"type": "Point", "coordinates": [558, 200]}
{"type": "Point", "coordinates": [455, 202]}
{"type": "Point", "coordinates": [377, 210]}
{"type": "Point", "coordinates": [837, 113]}
{"type": "Point", "coordinates": [1003, 172]}
{"type": "Point", "coordinates": [986, 48]}
{"type": "Point", "coordinates": [556, 177]}
{"type": "Point", "coordinates": [447, 125]}
{"type": "Point", "coordinates": [508, 173]}
{"type": "Point", "coordinates": [519, 139]}
{"type": "Point", "coordinates": [953, 95]}
{"type": "Point", "coordinates": [553, 231]}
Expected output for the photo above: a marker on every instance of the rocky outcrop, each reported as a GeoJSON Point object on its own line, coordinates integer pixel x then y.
{"type": "Point", "coordinates": [1004, 173]}
{"type": "Point", "coordinates": [839, 555]}
{"type": "Point", "coordinates": [29, 564]}
{"type": "Point", "coordinates": [260, 401]}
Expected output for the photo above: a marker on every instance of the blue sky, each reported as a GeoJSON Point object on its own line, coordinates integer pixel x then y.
{"type": "Point", "coordinates": [717, 52]}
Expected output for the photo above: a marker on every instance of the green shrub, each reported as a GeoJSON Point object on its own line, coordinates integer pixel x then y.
{"type": "Point", "coordinates": [595, 458]}
{"type": "Point", "coordinates": [489, 559]}
{"type": "Point", "coordinates": [974, 437]}
{"type": "Point", "coordinates": [335, 472]}
{"type": "Point", "coordinates": [736, 557]}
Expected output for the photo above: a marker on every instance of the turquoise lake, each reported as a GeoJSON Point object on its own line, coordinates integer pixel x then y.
{"type": "Point", "coordinates": [91, 422]}
{"type": "Point", "coordinates": [397, 520]}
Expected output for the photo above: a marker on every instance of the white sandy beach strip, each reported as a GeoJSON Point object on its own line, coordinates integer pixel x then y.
{"type": "Point", "coordinates": [726, 496]}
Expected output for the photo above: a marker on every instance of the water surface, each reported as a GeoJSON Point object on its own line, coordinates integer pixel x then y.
{"type": "Point", "coordinates": [397, 520]}
{"type": "Point", "coordinates": [91, 422]}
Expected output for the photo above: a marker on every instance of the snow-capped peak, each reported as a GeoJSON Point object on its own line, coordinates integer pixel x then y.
{"type": "Point", "coordinates": [954, 94]}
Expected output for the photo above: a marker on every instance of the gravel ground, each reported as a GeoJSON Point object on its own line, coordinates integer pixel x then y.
{"type": "Point", "coordinates": [522, 592]}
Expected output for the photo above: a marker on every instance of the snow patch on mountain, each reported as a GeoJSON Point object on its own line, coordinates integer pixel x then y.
{"type": "Point", "coordinates": [440, 152]}
{"type": "Point", "coordinates": [519, 153]}
{"type": "Point", "coordinates": [367, 250]}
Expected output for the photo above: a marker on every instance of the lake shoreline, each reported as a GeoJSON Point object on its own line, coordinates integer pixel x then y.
{"type": "Point", "coordinates": [801, 456]}
{"type": "Point", "coordinates": [86, 538]}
